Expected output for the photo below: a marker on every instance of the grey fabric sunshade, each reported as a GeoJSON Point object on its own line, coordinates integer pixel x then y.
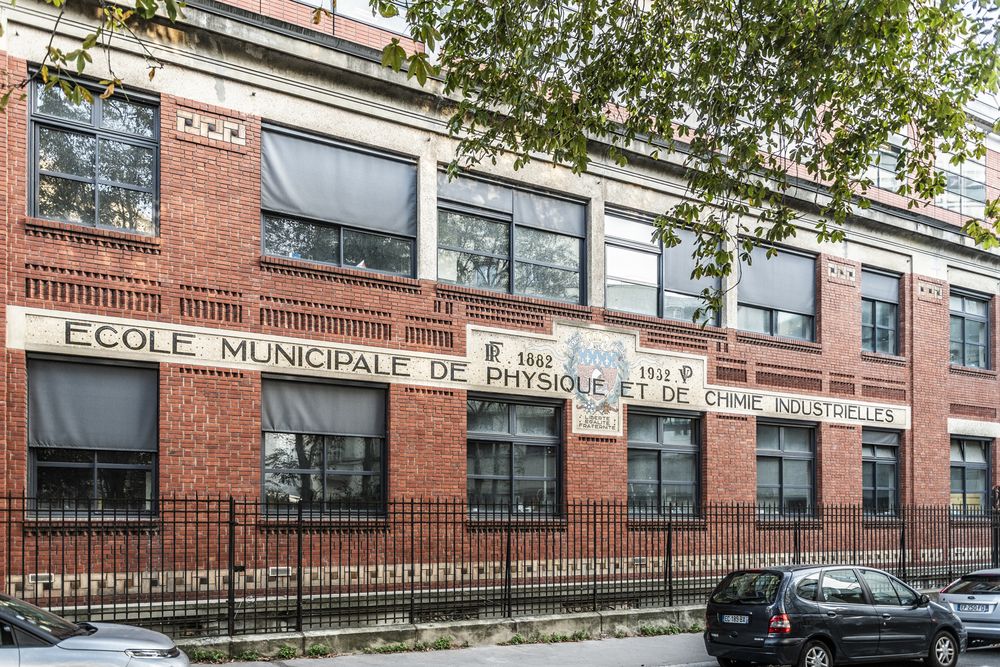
{"type": "Point", "coordinates": [880, 286]}
{"type": "Point", "coordinates": [92, 406]}
{"type": "Point", "coordinates": [320, 180]}
{"type": "Point", "coordinates": [291, 406]}
{"type": "Point", "coordinates": [785, 282]}
{"type": "Point", "coordinates": [870, 437]}
{"type": "Point", "coordinates": [530, 209]}
{"type": "Point", "coordinates": [679, 264]}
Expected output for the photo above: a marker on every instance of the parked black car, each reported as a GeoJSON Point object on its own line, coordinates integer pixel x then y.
{"type": "Point", "coordinates": [815, 616]}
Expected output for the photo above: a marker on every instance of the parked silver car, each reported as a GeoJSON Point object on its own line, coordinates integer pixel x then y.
{"type": "Point", "coordinates": [976, 599]}
{"type": "Point", "coordinates": [33, 637]}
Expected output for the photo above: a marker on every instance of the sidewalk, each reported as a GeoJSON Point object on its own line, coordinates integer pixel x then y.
{"type": "Point", "coordinates": [686, 649]}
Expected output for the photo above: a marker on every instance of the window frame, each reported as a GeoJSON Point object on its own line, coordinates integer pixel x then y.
{"type": "Point", "coordinates": [873, 303]}
{"type": "Point", "coordinates": [695, 449]}
{"type": "Point", "coordinates": [154, 466]}
{"type": "Point", "coordinates": [965, 466]}
{"type": "Point", "coordinates": [771, 311]}
{"type": "Point", "coordinates": [872, 511]}
{"type": "Point", "coordinates": [512, 439]}
{"type": "Point", "coordinates": [652, 248]}
{"type": "Point", "coordinates": [339, 228]}
{"type": "Point", "coordinates": [965, 316]}
{"type": "Point", "coordinates": [270, 509]}
{"type": "Point", "coordinates": [944, 166]}
{"type": "Point", "coordinates": [448, 206]}
{"type": "Point", "coordinates": [781, 455]}
{"type": "Point", "coordinates": [38, 120]}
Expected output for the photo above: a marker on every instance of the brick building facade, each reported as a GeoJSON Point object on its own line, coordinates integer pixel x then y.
{"type": "Point", "coordinates": [887, 352]}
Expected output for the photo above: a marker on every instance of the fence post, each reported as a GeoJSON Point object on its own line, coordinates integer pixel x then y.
{"type": "Point", "coordinates": [413, 561]}
{"type": "Point", "coordinates": [593, 555]}
{"type": "Point", "coordinates": [508, 603]}
{"type": "Point", "coordinates": [902, 545]}
{"type": "Point", "coordinates": [231, 597]}
{"type": "Point", "coordinates": [994, 538]}
{"type": "Point", "coordinates": [795, 536]}
{"type": "Point", "coordinates": [669, 571]}
{"type": "Point", "coordinates": [298, 571]}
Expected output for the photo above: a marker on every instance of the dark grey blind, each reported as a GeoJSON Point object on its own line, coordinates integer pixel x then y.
{"type": "Point", "coordinates": [786, 282]}
{"type": "Point", "coordinates": [312, 407]}
{"type": "Point", "coordinates": [879, 286]}
{"type": "Point", "coordinates": [530, 209]}
{"type": "Point", "coordinates": [679, 265]}
{"type": "Point", "coordinates": [311, 178]}
{"type": "Point", "coordinates": [870, 437]}
{"type": "Point", "coordinates": [92, 406]}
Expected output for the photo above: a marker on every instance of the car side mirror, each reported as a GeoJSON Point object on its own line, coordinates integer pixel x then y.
{"type": "Point", "coordinates": [923, 600]}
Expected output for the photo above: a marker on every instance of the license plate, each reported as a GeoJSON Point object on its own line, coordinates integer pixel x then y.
{"type": "Point", "coordinates": [735, 618]}
{"type": "Point", "coordinates": [981, 608]}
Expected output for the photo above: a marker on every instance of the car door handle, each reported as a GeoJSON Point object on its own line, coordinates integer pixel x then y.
{"type": "Point", "coordinates": [886, 617]}
{"type": "Point", "coordinates": [831, 614]}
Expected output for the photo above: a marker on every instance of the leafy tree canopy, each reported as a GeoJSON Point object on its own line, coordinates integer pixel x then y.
{"type": "Point", "coordinates": [749, 96]}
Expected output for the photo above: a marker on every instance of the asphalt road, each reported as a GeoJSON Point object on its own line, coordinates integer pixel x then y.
{"type": "Point", "coordinates": [686, 650]}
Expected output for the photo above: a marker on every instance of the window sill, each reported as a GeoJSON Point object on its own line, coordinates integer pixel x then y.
{"type": "Point", "coordinates": [95, 523]}
{"type": "Point", "coordinates": [887, 359]}
{"type": "Point", "coordinates": [517, 523]}
{"type": "Point", "coordinates": [789, 523]}
{"type": "Point", "coordinates": [463, 293]}
{"type": "Point", "coordinates": [780, 342]}
{"type": "Point", "coordinates": [651, 321]}
{"type": "Point", "coordinates": [315, 522]}
{"type": "Point", "coordinates": [340, 272]}
{"type": "Point", "coordinates": [970, 371]}
{"type": "Point", "coordinates": [88, 234]}
{"type": "Point", "coordinates": [887, 521]}
{"type": "Point", "coordinates": [683, 523]}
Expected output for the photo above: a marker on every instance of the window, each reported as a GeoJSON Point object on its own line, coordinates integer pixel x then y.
{"type": "Point", "coordinates": [513, 457]}
{"type": "Point", "coordinates": [879, 312]}
{"type": "Point", "coordinates": [881, 588]}
{"type": "Point", "coordinates": [807, 588]}
{"type": "Point", "coordinates": [662, 464]}
{"type": "Point", "coordinates": [842, 586]}
{"type": "Point", "coordinates": [970, 332]}
{"type": "Point", "coordinates": [883, 168]}
{"type": "Point", "coordinates": [777, 296]}
{"type": "Point", "coordinates": [324, 447]}
{"type": "Point", "coordinates": [92, 435]}
{"type": "Point", "coordinates": [498, 238]}
{"type": "Point", "coordinates": [879, 461]}
{"type": "Point", "coordinates": [327, 202]}
{"type": "Point", "coordinates": [784, 469]}
{"type": "Point", "coordinates": [969, 475]}
{"type": "Point", "coordinates": [95, 164]}
{"type": "Point", "coordinates": [965, 186]}
{"type": "Point", "coordinates": [642, 276]}
{"type": "Point", "coordinates": [361, 10]}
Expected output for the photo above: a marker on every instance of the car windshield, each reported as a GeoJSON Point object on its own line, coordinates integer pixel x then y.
{"type": "Point", "coordinates": [43, 620]}
{"type": "Point", "coordinates": [972, 584]}
{"type": "Point", "coordinates": [748, 588]}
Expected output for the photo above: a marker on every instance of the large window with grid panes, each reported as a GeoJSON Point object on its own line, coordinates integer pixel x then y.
{"type": "Point", "coordinates": [644, 275]}
{"type": "Point", "coordinates": [777, 294]}
{"type": "Point", "coordinates": [965, 185]}
{"type": "Point", "coordinates": [879, 312]}
{"type": "Point", "coordinates": [663, 463]}
{"type": "Point", "coordinates": [970, 475]}
{"type": "Point", "coordinates": [496, 237]}
{"type": "Point", "coordinates": [513, 454]}
{"type": "Point", "coordinates": [880, 472]}
{"type": "Point", "coordinates": [785, 469]}
{"type": "Point", "coordinates": [95, 163]}
{"type": "Point", "coordinates": [969, 324]}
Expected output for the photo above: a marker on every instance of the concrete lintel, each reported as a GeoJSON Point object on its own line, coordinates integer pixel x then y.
{"type": "Point", "coordinates": [974, 428]}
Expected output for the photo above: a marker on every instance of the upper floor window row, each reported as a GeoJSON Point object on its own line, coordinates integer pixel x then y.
{"type": "Point", "coordinates": [643, 276]}
{"type": "Point", "coordinates": [94, 164]}
{"type": "Point", "coordinates": [328, 202]}
{"type": "Point", "coordinates": [496, 237]}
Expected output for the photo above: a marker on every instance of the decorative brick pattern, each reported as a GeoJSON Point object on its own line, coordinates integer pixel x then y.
{"type": "Point", "coordinates": [929, 291]}
{"type": "Point", "coordinates": [211, 127]}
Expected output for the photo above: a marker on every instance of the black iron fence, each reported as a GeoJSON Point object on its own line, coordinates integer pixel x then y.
{"type": "Point", "coordinates": [228, 566]}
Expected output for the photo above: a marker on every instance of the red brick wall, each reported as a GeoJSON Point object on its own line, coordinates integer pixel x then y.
{"type": "Point", "coordinates": [205, 268]}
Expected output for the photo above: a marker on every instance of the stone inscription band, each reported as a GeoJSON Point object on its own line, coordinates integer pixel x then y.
{"type": "Point", "coordinates": [599, 368]}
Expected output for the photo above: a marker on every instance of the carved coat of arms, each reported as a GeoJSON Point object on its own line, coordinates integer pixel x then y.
{"type": "Point", "coordinates": [600, 366]}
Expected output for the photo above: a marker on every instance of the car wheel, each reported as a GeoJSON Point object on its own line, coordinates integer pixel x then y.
{"type": "Point", "coordinates": [817, 654]}
{"type": "Point", "coordinates": [944, 650]}
{"type": "Point", "coordinates": [731, 662]}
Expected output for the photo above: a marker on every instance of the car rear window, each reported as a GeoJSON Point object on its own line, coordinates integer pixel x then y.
{"type": "Point", "coordinates": [748, 588]}
{"type": "Point", "coordinates": [976, 583]}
